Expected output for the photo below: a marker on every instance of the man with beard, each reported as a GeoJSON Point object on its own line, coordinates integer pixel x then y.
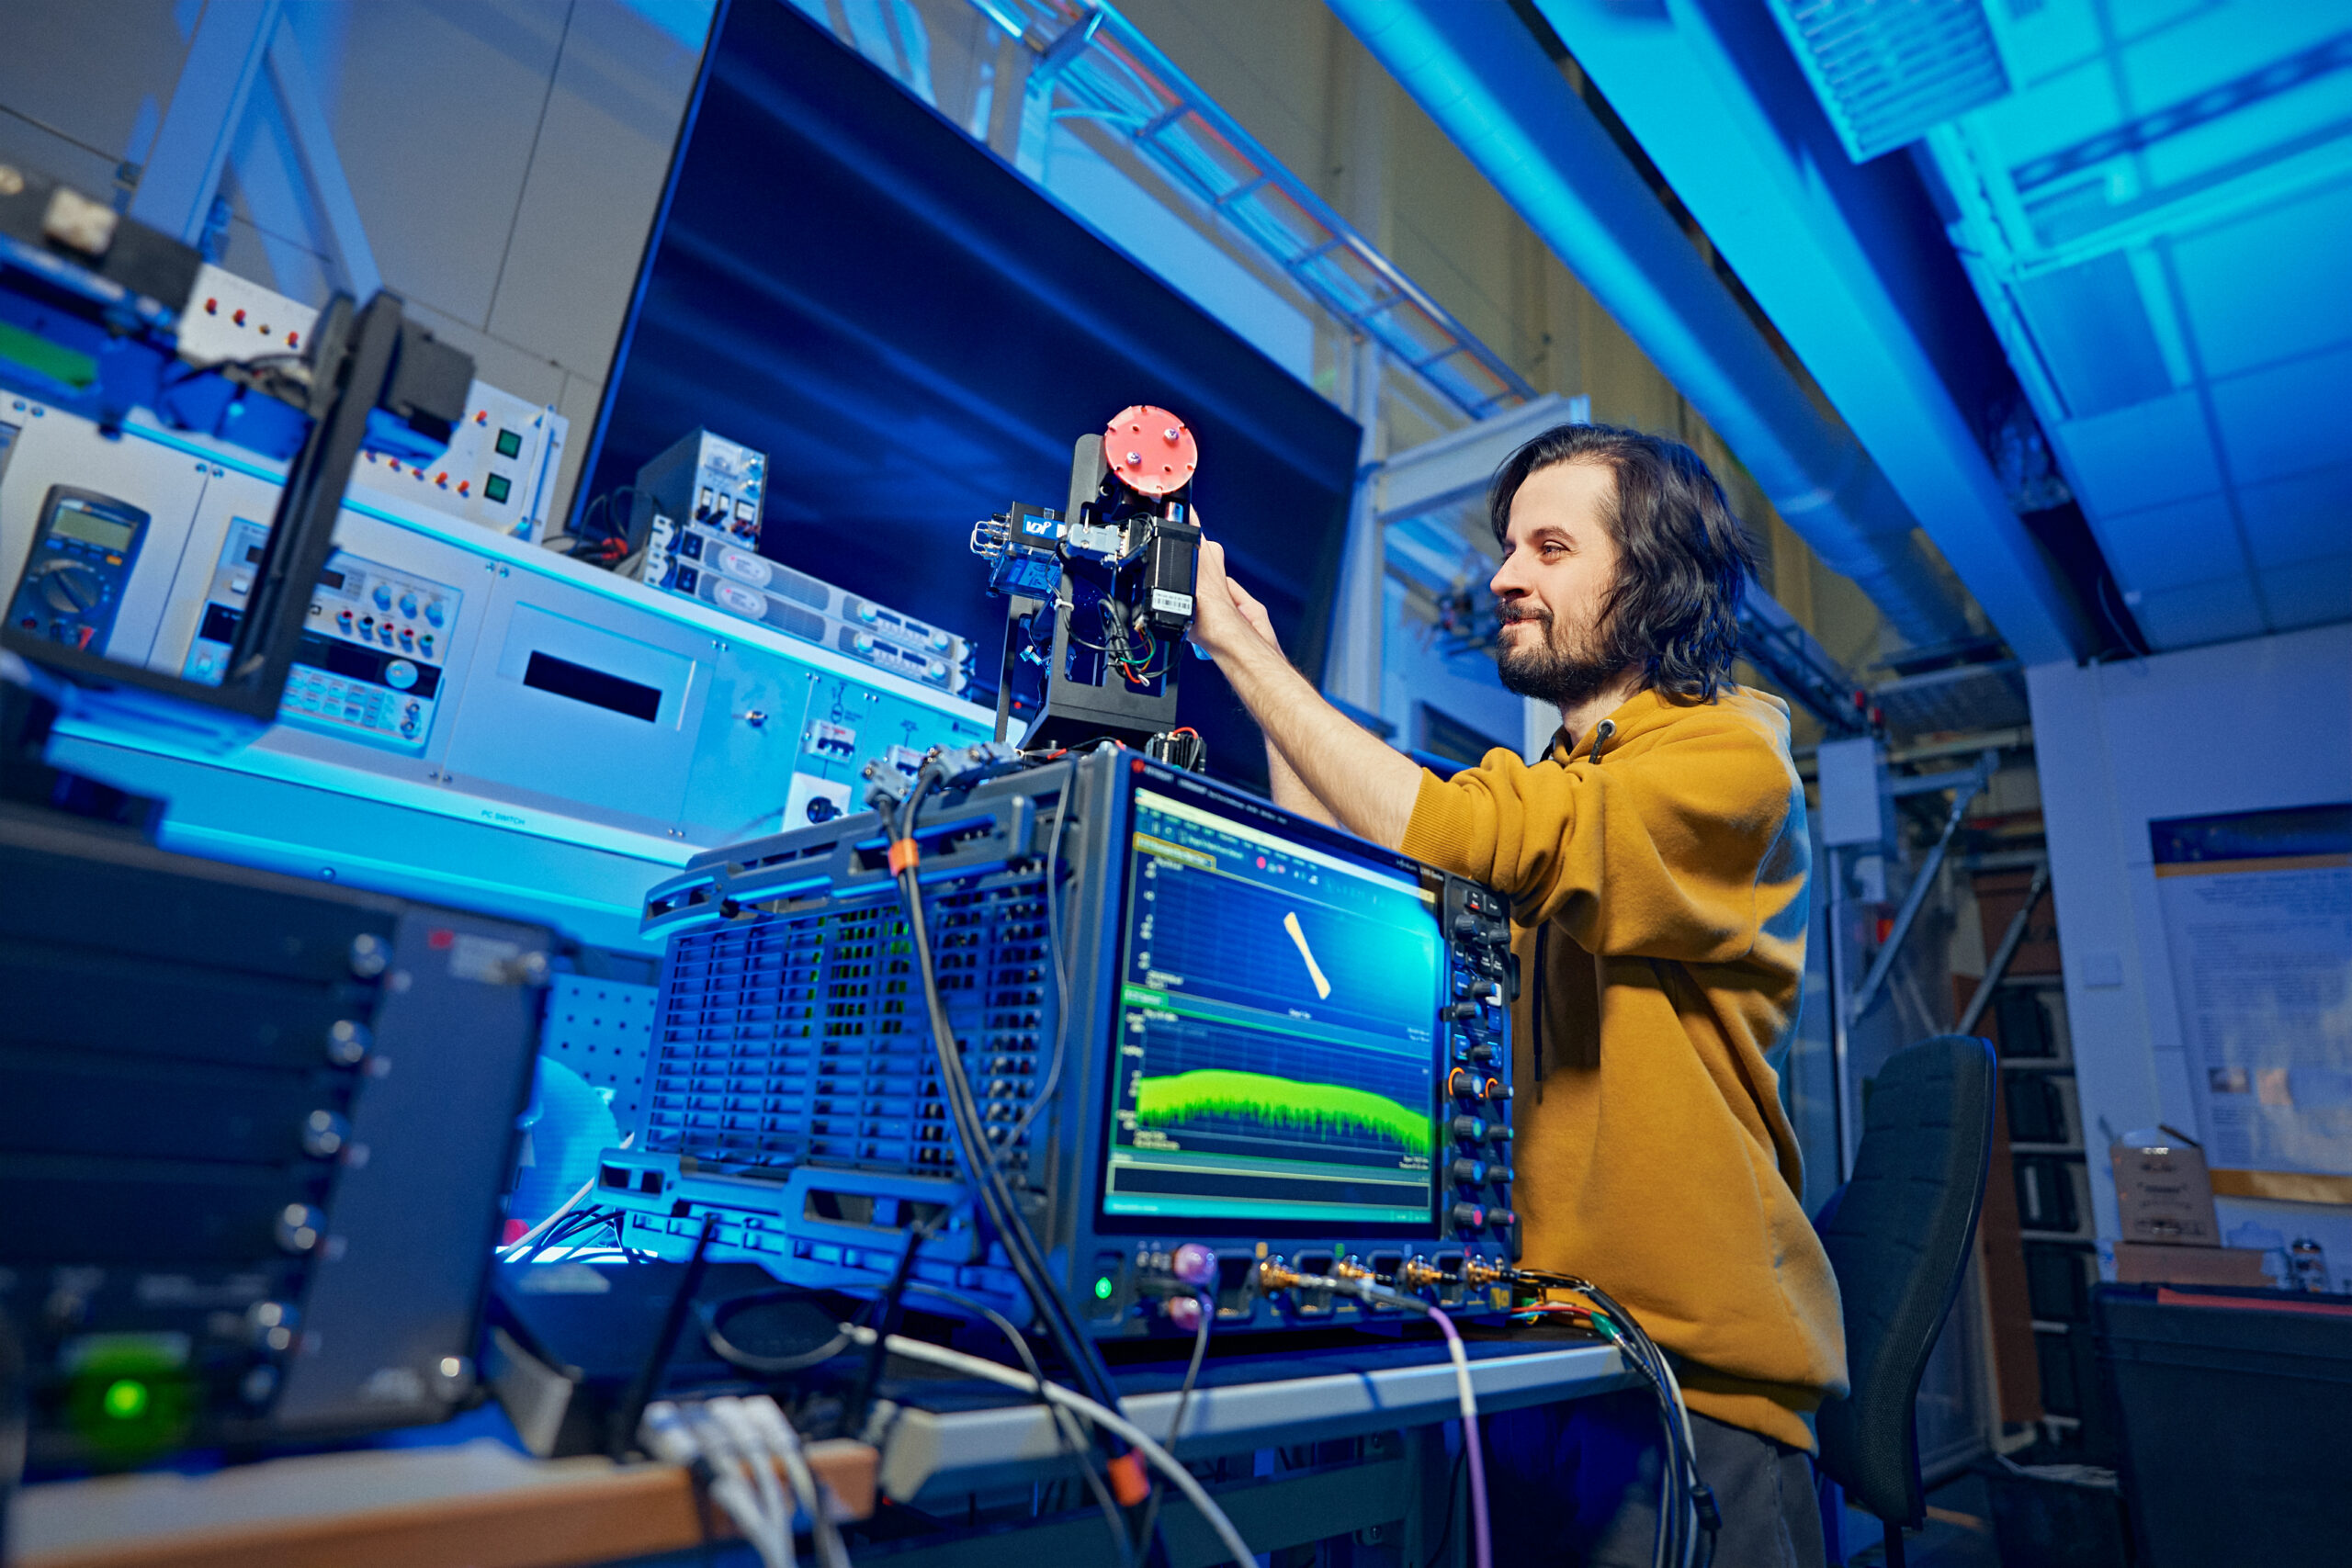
{"type": "Point", "coordinates": [1656, 857]}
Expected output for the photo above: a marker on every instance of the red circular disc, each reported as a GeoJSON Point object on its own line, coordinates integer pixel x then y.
{"type": "Point", "coordinates": [1151, 450]}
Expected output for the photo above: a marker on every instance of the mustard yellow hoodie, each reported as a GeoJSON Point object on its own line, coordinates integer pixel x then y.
{"type": "Point", "coordinates": [1666, 881]}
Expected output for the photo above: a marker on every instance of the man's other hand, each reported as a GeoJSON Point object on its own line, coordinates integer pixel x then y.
{"type": "Point", "coordinates": [1319, 763]}
{"type": "Point", "coordinates": [1224, 611]}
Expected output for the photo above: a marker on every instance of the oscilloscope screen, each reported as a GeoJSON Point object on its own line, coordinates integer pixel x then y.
{"type": "Point", "coordinates": [1276, 1031]}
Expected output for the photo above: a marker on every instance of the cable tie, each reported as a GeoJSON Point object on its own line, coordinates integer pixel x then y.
{"type": "Point", "coordinates": [904, 856]}
{"type": "Point", "coordinates": [1129, 1483]}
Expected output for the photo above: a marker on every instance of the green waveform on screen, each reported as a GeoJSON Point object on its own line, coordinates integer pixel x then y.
{"type": "Point", "coordinates": [1280, 1103]}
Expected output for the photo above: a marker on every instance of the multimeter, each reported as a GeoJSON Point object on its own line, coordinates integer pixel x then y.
{"type": "Point", "coordinates": [80, 563]}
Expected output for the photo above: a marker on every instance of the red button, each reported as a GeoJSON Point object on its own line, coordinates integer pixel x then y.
{"type": "Point", "coordinates": [212, 306]}
{"type": "Point", "coordinates": [239, 318]}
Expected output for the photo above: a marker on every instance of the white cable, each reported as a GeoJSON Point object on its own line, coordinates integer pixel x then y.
{"type": "Point", "coordinates": [748, 1447]}
{"type": "Point", "coordinates": [669, 1436]}
{"type": "Point", "coordinates": [1159, 1458]}
{"type": "Point", "coordinates": [770, 1418]}
{"type": "Point", "coordinates": [1467, 1396]}
{"type": "Point", "coordinates": [537, 1231]}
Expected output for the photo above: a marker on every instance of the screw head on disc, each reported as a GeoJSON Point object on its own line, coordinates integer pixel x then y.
{"type": "Point", "coordinates": [1151, 450]}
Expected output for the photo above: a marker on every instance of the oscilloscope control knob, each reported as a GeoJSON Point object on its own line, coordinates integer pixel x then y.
{"type": "Point", "coordinates": [1470, 1129]}
{"type": "Point", "coordinates": [1470, 1172]}
{"type": "Point", "coordinates": [1469, 1217]}
{"type": "Point", "coordinates": [1462, 1010]}
{"type": "Point", "coordinates": [1485, 1056]}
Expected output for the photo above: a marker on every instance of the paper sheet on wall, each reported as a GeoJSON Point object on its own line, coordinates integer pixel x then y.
{"type": "Point", "coordinates": [2257, 915]}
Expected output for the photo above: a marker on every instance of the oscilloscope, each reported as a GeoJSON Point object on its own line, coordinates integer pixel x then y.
{"type": "Point", "coordinates": [1276, 1040]}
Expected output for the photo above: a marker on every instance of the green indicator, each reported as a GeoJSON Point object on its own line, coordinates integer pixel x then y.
{"type": "Point", "coordinates": [124, 1399]}
{"type": "Point", "coordinates": [1280, 1105]}
{"type": "Point", "coordinates": [75, 371]}
{"type": "Point", "coordinates": [1102, 1288]}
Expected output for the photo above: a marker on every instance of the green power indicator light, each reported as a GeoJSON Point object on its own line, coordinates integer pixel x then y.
{"type": "Point", "coordinates": [1102, 1288]}
{"type": "Point", "coordinates": [124, 1399]}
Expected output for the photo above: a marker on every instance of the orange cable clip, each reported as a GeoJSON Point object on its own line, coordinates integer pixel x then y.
{"type": "Point", "coordinates": [1129, 1483]}
{"type": "Point", "coordinates": [904, 855]}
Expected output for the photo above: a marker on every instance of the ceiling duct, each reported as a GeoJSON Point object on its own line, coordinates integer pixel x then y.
{"type": "Point", "coordinates": [1479, 75]}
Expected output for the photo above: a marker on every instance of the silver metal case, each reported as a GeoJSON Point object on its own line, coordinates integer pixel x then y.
{"type": "Point", "coordinates": [793, 1096]}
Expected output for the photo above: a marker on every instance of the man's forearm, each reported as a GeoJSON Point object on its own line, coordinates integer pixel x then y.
{"type": "Point", "coordinates": [1366, 784]}
{"type": "Point", "coordinates": [1290, 791]}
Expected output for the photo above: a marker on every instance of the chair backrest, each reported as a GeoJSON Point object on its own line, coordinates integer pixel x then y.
{"type": "Point", "coordinates": [1898, 1236]}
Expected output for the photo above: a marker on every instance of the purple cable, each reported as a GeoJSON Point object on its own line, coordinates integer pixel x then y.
{"type": "Point", "coordinates": [1470, 1446]}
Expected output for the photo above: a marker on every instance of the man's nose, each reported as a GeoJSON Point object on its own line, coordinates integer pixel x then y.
{"type": "Point", "coordinates": [1505, 584]}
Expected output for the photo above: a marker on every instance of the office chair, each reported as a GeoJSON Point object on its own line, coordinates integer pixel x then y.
{"type": "Point", "coordinates": [1898, 1236]}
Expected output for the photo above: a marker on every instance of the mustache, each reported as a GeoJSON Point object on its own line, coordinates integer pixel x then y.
{"type": "Point", "coordinates": [1509, 614]}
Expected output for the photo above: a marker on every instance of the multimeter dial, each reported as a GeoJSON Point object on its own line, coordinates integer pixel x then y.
{"type": "Point", "coordinates": [68, 587]}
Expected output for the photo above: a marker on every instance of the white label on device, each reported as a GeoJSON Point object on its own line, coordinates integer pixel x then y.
{"type": "Point", "coordinates": [751, 568]}
{"type": "Point", "coordinates": [741, 599]}
{"type": "Point", "coordinates": [1174, 604]}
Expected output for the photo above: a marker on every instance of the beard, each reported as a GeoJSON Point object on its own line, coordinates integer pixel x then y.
{"type": "Point", "coordinates": [1564, 667]}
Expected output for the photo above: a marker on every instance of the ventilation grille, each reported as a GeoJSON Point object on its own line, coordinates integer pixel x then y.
{"type": "Point", "coordinates": [785, 1039]}
{"type": "Point", "coordinates": [1889, 71]}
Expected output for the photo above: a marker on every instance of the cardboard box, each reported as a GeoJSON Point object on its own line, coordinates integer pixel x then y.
{"type": "Point", "coordinates": [2138, 1263]}
{"type": "Point", "coordinates": [2164, 1194]}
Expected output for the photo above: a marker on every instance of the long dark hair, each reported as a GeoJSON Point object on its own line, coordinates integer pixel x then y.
{"type": "Point", "coordinates": [1683, 560]}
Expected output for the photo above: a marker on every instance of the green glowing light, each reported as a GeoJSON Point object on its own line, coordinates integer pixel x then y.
{"type": "Point", "coordinates": [1102, 1288]}
{"type": "Point", "coordinates": [1280, 1105]}
{"type": "Point", "coordinates": [124, 1399]}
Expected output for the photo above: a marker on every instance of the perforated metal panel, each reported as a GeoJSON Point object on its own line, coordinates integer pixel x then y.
{"type": "Point", "coordinates": [790, 1039]}
{"type": "Point", "coordinates": [1888, 71]}
{"type": "Point", "coordinates": [602, 1030]}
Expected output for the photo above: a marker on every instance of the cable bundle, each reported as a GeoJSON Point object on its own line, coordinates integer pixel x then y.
{"type": "Point", "coordinates": [979, 1155]}
{"type": "Point", "coordinates": [736, 1447]}
{"type": "Point", "coordinates": [1688, 1519]}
